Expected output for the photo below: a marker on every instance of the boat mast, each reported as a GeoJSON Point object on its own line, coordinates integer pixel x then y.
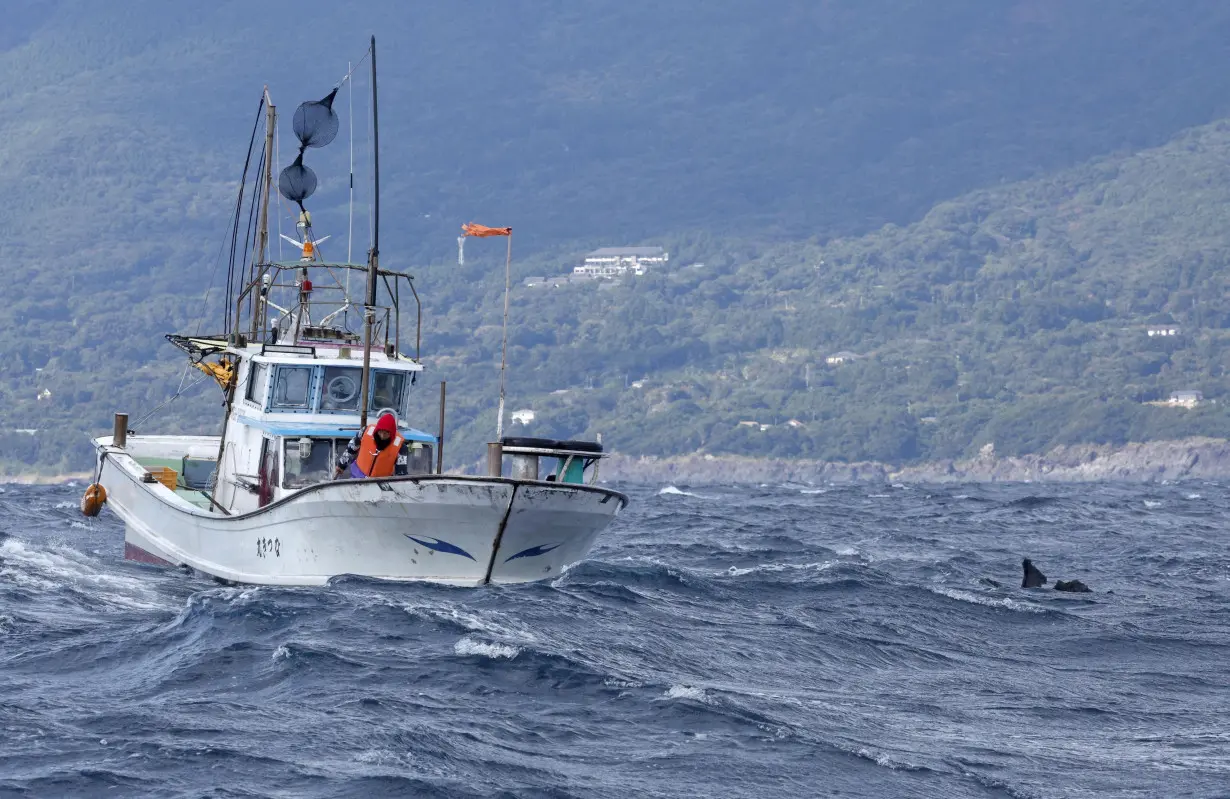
{"type": "Point", "coordinates": [373, 255]}
{"type": "Point", "coordinates": [262, 244]}
{"type": "Point", "coordinates": [262, 231]}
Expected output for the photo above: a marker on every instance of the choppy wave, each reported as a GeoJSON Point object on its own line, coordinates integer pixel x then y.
{"type": "Point", "coordinates": [764, 642]}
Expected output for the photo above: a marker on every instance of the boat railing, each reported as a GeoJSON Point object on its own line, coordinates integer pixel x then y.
{"type": "Point", "coordinates": [272, 276]}
{"type": "Point", "coordinates": [576, 461]}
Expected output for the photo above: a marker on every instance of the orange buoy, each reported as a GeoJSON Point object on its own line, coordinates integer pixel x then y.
{"type": "Point", "coordinates": [93, 499]}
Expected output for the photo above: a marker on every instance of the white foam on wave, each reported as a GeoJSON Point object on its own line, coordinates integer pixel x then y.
{"type": "Point", "coordinates": [615, 682]}
{"type": "Point", "coordinates": [819, 566]}
{"type": "Point", "coordinates": [878, 496]}
{"type": "Point", "coordinates": [672, 491]}
{"type": "Point", "coordinates": [813, 490]}
{"type": "Point", "coordinates": [49, 568]}
{"type": "Point", "coordinates": [882, 759]}
{"type": "Point", "coordinates": [992, 602]}
{"type": "Point", "coordinates": [1149, 503]}
{"type": "Point", "coordinates": [847, 552]}
{"type": "Point", "coordinates": [1192, 496]}
{"type": "Point", "coordinates": [469, 646]}
{"type": "Point", "coordinates": [65, 505]}
{"type": "Point", "coordinates": [281, 653]}
{"type": "Point", "coordinates": [492, 624]}
{"type": "Point", "coordinates": [687, 692]}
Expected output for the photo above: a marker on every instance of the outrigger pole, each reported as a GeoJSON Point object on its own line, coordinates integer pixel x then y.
{"type": "Point", "coordinates": [373, 255]}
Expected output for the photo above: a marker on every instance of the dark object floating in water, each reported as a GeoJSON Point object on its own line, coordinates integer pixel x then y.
{"type": "Point", "coordinates": [990, 582]}
{"type": "Point", "coordinates": [1033, 578]}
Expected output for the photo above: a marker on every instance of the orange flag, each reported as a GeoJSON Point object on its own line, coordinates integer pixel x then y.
{"type": "Point", "coordinates": [482, 231]}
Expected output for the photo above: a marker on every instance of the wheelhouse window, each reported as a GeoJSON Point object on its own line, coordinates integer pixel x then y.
{"type": "Point", "coordinates": [258, 381]}
{"type": "Point", "coordinates": [387, 391]}
{"type": "Point", "coordinates": [291, 387]}
{"type": "Point", "coordinates": [308, 461]}
{"type": "Point", "coordinates": [341, 388]}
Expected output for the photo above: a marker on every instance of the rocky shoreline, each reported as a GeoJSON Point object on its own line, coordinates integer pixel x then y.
{"type": "Point", "coordinates": [1154, 461]}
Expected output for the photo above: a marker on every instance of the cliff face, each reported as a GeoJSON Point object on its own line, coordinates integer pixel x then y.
{"type": "Point", "coordinates": [1198, 458]}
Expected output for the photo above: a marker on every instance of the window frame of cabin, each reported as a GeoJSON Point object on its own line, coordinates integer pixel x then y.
{"type": "Point", "coordinates": [309, 399]}
{"type": "Point", "coordinates": [258, 383]}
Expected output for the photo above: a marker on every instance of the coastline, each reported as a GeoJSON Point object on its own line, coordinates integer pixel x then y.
{"type": "Point", "coordinates": [1153, 461]}
{"type": "Point", "coordinates": [44, 479]}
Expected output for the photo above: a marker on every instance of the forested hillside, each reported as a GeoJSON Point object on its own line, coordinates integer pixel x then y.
{"type": "Point", "coordinates": [770, 142]}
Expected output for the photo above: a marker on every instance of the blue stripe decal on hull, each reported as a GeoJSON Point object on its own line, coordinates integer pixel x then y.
{"type": "Point", "coordinates": [533, 552]}
{"type": "Point", "coordinates": [441, 546]}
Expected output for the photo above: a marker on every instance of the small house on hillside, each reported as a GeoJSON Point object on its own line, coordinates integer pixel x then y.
{"type": "Point", "coordinates": [523, 416]}
{"type": "Point", "coordinates": [838, 358]}
{"type": "Point", "coordinates": [611, 262]}
{"type": "Point", "coordinates": [1162, 330]}
{"type": "Point", "coordinates": [1185, 399]}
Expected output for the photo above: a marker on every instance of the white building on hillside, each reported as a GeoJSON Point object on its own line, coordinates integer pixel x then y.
{"type": "Point", "coordinates": [1185, 399]}
{"type": "Point", "coordinates": [612, 262]}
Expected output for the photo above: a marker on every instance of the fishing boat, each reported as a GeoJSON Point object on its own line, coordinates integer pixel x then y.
{"type": "Point", "coordinates": [261, 503]}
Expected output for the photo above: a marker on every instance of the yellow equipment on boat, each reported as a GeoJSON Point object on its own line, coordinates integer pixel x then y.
{"type": "Point", "coordinates": [223, 371]}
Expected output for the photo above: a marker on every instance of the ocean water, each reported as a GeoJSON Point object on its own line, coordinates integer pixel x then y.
{"type": "Point", "coordinates": [779, 641]}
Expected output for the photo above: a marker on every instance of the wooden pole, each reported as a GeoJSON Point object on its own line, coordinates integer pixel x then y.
{"type": "Point", "coordinates": [499, 422]}
{"type": "Point", "coordinates": [262, 232]}
{"type": "Point", "coordinates": [119, 437]}
{"type": "Point", "coordinates": [495, 459]}
{"type": "Point", "coordinates": [373, 257]}
{"type": "Point", "coordinates": [440, 436]}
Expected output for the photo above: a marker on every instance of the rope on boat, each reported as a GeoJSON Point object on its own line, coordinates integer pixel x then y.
{"type": "Point", "coordinates": [172, 398]}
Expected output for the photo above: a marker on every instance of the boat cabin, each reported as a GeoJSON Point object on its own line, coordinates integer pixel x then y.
{"type": "Point", "coordinates": [296, 410]}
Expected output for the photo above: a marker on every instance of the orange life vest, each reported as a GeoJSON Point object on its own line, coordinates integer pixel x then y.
{"type": "Point", "coordinates": [374, 462]}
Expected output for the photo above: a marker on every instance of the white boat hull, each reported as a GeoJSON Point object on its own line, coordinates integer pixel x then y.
{"type": "Point", "coordinates": [449, 529]}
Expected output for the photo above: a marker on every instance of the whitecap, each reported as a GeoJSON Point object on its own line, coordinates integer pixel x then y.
{"type": "Point", "coordinates": [1149, 503]}
{"type": "Point", "coordinates": [878, 496]}
{"type": "Point", "coordinates": [1192, 496]}
{"type": "Point", "coordinates": [49, 568]}
{"type": "Point", "coordinates": [882, 759]}
{"type": "Point", "coordinates": [672, 491]}
{"type": "Point", "coordinates": [993, 602]}
{"type": "Point", "coordinates": [687, 692]}
{"type": "Point", "coordinates": [813, 490]}
{"type": "Point", "coordinates": [469, 646]}
{"type": "Point", "coordinates": [615, 682]}
{"type": "Point", "coordinates": [281, 653]}
{"type": "Point", "coordinates": [735, 571]}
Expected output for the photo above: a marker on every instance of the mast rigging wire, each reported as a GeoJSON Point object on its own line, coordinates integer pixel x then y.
{"type": "Point", "coordinates": [230, 273]}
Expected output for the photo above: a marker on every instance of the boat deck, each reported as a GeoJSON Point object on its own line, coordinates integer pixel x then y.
{"type": "Point", "coordinates": [195, 496]}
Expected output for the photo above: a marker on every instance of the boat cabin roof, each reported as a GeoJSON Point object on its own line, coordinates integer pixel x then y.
{"type": "Point", "coordinates": [313, 430]}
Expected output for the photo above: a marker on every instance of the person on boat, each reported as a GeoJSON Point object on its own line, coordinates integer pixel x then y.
{"type": "Point", "coordinates": [377, 451]}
